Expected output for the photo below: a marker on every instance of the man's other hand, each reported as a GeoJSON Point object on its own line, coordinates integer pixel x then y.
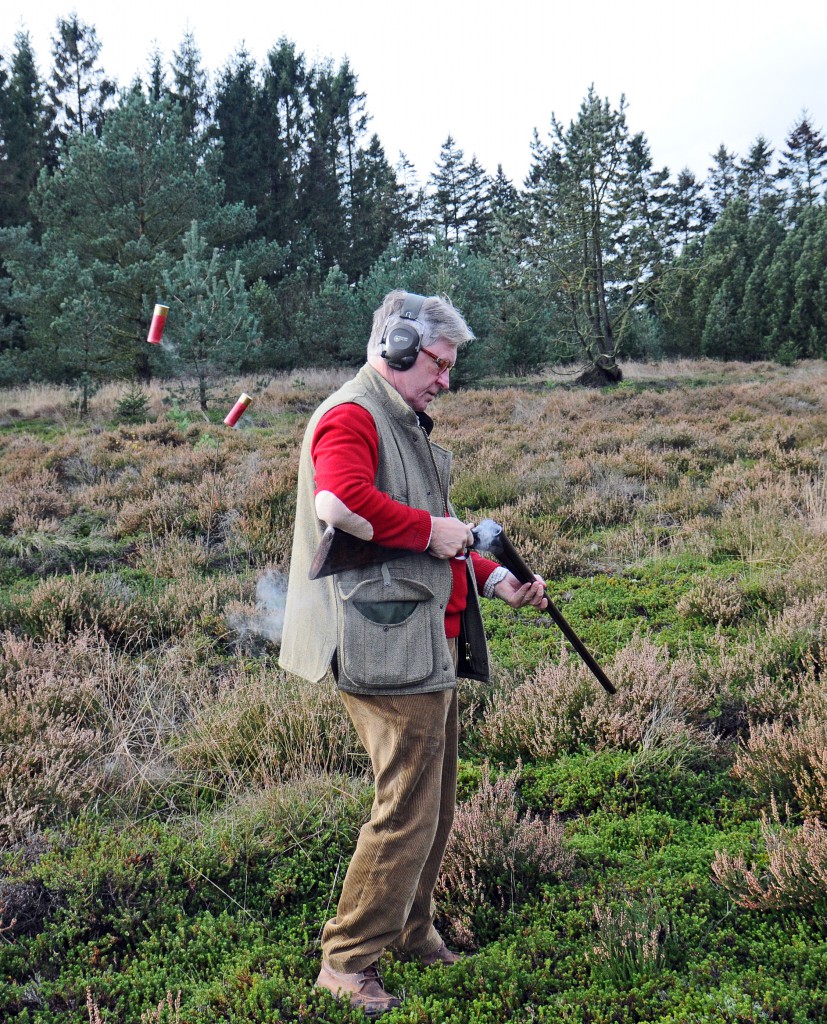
{"type": "Point", "coordinates": [517, 594]}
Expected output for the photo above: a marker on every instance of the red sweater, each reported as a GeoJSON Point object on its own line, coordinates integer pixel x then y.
{"type": "Point", "coordinates": [345, 452]}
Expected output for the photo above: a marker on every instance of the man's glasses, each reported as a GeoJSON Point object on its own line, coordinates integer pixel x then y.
{"type": "Point", "coordinates": [442, 364]}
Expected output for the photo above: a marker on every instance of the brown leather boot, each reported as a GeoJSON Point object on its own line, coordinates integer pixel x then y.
{"type": "Point", "coordinates": [442, 955]}
{"type": "Point", "coordinates": [363, 989]}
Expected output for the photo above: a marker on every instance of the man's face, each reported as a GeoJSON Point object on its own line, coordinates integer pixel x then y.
{"type": "Point", "coordinates": [424, 381]}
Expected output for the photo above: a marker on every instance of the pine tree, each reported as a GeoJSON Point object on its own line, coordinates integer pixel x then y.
{"type": "Point", "coordinates": [329, 331]}
{"type": "Point", "coordinates": [689, 211]}
{"type": "Point", "coordinates": [755, 181]}
{"type": "Point", "coordinates": [722, 179]}
{"type": "Point", "coordinates": [157, 87]}
{"type": "Point", "coordinates": [449, 193]}
{"type": "Point", "coordinates": [722, 273]}
{"type": "Point", "coordinates": [413, 217]}
{"type": "Point", "coordinates": [503, 196]}
{"type": "Point", "coordinates": [350, 119]}
{"type": "Point", "coordinates": [477, 214]}
{"type": "Point", "coordinates": [284, 120]}
{"type": "Point", "coordinates": [189, 86]}
{"type": "Point", "coordinates": [240, 126]}
{"type": "Point", "coordinates": [80, 340]}
{"type": "Point", "coordinates": [79, 89]}
{"type": "Point", "coordinates": [598, 228]}
{"type": "Point", "coordinates": [323, 204]}
{"type": "Point", "coordinates": [797, 289]}
{"type": "Point", "coordinates": [765, 234]}
{"type": "Point", "coordinates": [26, 132]}
{"type": "Point", "coordinates": [120, 204]}
{"type": "Point", "coordinates": [803, 166]}
{"type": "Point", "coordinates": [212, 326]}
{"type": "Point", "coordinates": [374, 214]}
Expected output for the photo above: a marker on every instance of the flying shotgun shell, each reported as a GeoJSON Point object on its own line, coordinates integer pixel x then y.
{"type": "Point", "coordinates": [238, 410]}
{"type": "Point", "coordinates": [156, 328]}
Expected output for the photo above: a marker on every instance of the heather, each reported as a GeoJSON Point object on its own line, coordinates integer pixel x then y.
{"type": "Point", "coordinates": [176, 813]}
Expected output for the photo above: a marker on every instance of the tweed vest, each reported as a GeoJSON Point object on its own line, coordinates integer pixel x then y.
{"type": "Point", "coordinates": [385, 623]}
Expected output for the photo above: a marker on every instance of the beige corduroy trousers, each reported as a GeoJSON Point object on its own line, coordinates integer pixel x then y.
{"type": "Point", "coordinates": [387, 897]}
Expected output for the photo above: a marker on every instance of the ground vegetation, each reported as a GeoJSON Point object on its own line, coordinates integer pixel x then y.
{"type": "Point", "coordinates": [176, 813]}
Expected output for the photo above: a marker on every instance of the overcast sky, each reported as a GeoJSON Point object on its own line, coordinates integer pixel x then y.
{"type": "Point", "coordinates": [694, 74]}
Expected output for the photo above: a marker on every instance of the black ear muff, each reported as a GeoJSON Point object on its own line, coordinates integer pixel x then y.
{"type": "Point", "coordinates": [403, 338]}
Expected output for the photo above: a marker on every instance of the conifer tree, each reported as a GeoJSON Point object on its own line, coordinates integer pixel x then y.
{"type": "Point", "coordinates": [243, 132]}
{"type": "Point", "coordinates": [598, 228]}
{"type": "Point", "coordinates": [413, 217]}
{"type": "Point", "coordinates": [79, 340]}
{"type": "Point", "coordinates": [375, 212]}
{"type": "Point", "coordinates": [79, 89]}
{"type": "Point", "coordinates": [690, 213]}
{"type": "Point", "coordinates": [797, 289]}
{"type": "Point", "coordinates": [156, 83]}
{"type": "Point", "coordinates": [722, 179]}
{"type": "Point", "coordinates": [477, 214]}
{"type": "Point", "coordinates": [120, 205]}
{"type": "Point", "coordinates": [803, 166]}
{"type": "Point", "coordinates": [449, 194]}
{"type": "Point", "coordinates": [329, 331]}
{"type": "Point", "coordinates": [189, 86]}
{"type": "Point", "coordinates": [212, 326]}
{"type": "Point", "coordinates": [755, 181]}
{"type": "Point", "coordinates": [284, 120]}
{"type": "Point", "coordinates": [26, 132]}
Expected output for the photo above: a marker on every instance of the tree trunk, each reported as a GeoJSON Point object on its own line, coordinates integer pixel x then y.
{"type": "Point", "coordinates": [600, 373]}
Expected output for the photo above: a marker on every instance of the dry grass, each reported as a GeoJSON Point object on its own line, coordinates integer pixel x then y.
{"type": "Point", "coordinates": [261, 727]}
{"type": "Point", "coordinates": [81, 722]}
{"type": "Point", "coordinates": [716, 461]}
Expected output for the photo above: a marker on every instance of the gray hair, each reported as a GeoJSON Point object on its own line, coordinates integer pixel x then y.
{"type": "Point", "coordinates": [438, 318]}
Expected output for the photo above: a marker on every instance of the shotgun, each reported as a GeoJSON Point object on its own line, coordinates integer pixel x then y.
{"type": "Point", "coordinates": [339, 551]}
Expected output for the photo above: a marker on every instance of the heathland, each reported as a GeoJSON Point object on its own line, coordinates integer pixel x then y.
{"type": "Point", "coordinates": [176, 813]}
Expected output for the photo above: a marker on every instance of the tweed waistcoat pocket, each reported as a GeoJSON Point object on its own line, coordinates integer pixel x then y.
{"type": "Point", "coordinates": [385, 631]}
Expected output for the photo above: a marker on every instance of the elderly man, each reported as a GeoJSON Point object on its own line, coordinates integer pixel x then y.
{"type": "Point", "coordinates": [396, 634]}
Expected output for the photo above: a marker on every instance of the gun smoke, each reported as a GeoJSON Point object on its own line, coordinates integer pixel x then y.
{"type": "Point", "coordinates": [267, 620]}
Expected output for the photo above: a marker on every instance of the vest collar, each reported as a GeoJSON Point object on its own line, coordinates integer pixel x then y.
{"type": "Point", "coordinates": [375, 383]}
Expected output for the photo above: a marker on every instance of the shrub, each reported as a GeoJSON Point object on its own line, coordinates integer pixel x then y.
{"type": "Point", "coordinates": [713, 601]}
{"type": "Point", "coordinates": [131, 614]}
{"type": "Point", "coordinates": [133, 405]}
{"type": "Point", "coordinates": [761, 678]}
{"type": "Point", "coordinates": [796, 872]}
{"type": "Point", "coordinates": [660, 702]}
{"type": "Point", "coordinates": [49, 731]}
{"type": "Point", "coordinates": [495, 855]}
{"type": "Point", "coordinates": [787, 761]}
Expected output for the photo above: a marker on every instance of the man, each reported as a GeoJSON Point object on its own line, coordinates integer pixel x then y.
{"type": "Point", "coordinates": [396, 634]}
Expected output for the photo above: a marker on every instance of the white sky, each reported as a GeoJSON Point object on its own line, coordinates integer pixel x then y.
{"type": "Point", "coordinates": [694, 74]}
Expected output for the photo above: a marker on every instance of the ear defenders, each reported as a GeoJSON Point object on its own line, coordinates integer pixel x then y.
{"type": "Point", "coordinates": [403, 338]}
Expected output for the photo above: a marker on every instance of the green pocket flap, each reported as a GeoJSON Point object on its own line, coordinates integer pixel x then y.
{"type": "Point", "coordinates": [387, 613]}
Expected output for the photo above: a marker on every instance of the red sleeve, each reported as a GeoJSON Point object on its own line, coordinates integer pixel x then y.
{"type": "Point", "coordinates": [483, 567]}
{"type": "Point", "coordinates": [345, 453]}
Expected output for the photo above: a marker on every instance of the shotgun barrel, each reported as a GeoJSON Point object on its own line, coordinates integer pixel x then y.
{"type": "Point", "coordinates": [490, 536]}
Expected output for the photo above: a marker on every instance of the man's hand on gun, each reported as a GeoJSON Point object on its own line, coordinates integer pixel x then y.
{"type": "Point", "coordinates": [450, 538]}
